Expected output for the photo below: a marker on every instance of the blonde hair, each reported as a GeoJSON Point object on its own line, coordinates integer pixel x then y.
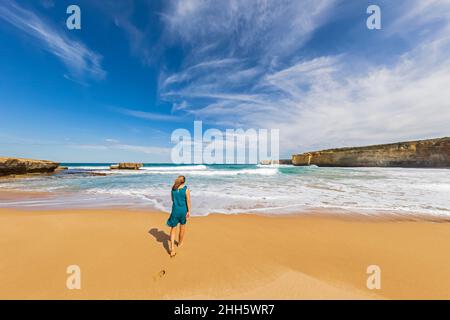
{"type": "Point", "coordinates": [178, 182]}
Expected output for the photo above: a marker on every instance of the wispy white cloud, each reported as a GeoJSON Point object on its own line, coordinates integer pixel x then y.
{"type": "Point", "coordinates": [266, 28]}
{"type": "Point", "coordinates": [147, 115]}
{"type": "Point", "coordinates": [190, 72]}
{"type": "Point", "coordinates": [110, 140]}
{"type": "Point", "coordinates": [76, 80]}
{"type": "Point", "coordinates": [234, 44]}
{"type": "Point", "coordinates": [79, 59]}
{"type": "Point", "coordinates": [315, 104]}
{"type": "Point", "coordinates": [136, 38]}
{"type": "Point", "coordinates": [138, 34]}
{"type": "Point", "coordinates": [405, 102]}
{"type": "Point", "coordinates": [322, 101]}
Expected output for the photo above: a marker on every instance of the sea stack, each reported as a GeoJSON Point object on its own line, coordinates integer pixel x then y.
{"type": "Point", "coordinates": [127, 166]}
{"type": "Point", "coordinates": [11, 166]}
{"type": "Point", "coordinates": [272, 162]}
{"type": "Point", "coordinates": [432, 153]}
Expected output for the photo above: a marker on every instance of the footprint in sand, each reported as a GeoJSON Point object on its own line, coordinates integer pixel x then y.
{"type": "Point", "coordinates": [159, 275]}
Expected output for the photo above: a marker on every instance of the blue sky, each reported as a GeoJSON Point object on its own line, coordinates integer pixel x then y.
{"type": "Point", "coordinates": [137, 70]}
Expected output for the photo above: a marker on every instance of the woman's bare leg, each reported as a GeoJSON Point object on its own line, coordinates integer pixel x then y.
{"type": "Point", "coordinates": [181, 234]}
{"type": "Point", "coordinates": [172, 241]}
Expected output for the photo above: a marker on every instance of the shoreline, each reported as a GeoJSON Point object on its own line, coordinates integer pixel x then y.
{"type": "Point", "coordinates": [325, 212]}
{"type": "Point", "coordinates": [122, 254]}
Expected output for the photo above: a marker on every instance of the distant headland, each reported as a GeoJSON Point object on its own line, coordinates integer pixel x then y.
{"type": "Point", "coordinates": [431, 153]}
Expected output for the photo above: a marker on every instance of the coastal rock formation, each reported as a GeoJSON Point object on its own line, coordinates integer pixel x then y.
{"type": "Point", "coordinates": [285, 161]}
{"type": "Point", "coordinates": [9, 166]}
{"type": "Point", "coordinates": [127, 166]}
{"type": "Point", "coordinates": [270, 162]}
{"type": "Point", "coordinates": [432, 153]}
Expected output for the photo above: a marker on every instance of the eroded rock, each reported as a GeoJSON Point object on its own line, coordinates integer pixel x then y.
{"type": "Point", "coordinates": [17, 166]}
{"type": "Point", "coordinates": [432, 153]}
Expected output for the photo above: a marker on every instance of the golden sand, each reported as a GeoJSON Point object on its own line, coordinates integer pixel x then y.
{"type": "Point", "coordinates": [122, 254]}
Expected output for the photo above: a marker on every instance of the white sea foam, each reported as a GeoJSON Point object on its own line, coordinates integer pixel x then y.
{"type": "Point", "coordinates": [173, 168]}
{"type": "Point", "coordinates": [269, 189]}
{"type": "Point", "coordinates": [191, 171]}
{"type": "Point", "coordinates": [88, 167]}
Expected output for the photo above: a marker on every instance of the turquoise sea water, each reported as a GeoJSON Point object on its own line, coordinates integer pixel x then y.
{"type": "Point", "coordinates": [246, 189]}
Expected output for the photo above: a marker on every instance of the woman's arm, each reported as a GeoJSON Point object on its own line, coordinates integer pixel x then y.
{"type": "Point", "coordinates": [188, 203]}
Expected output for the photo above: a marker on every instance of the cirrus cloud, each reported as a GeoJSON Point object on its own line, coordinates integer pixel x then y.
{"type": "Point", "coordinates": [316, 100]}
{"type": "Point", "coordinates": [80, 60]}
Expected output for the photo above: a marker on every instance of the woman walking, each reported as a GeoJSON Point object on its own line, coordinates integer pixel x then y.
{"type": "Point", "coordinates": [181, 205]}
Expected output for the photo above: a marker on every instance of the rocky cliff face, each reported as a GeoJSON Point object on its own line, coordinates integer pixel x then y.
{"type": "Point", "coordinates": [10, 166]}
{"type": "Point", "coordinates": [433, 153]}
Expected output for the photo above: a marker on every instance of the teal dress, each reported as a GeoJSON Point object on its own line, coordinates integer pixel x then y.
{"type": "Point", "coordinates": [179, 208]}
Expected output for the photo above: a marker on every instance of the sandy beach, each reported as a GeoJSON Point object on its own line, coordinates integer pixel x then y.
{"type": "Point", "coordinates": [123, 255]}
{"type": "Point", "coordinates": [308, 141]}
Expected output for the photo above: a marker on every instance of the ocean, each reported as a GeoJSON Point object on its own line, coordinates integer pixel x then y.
{"type": "Point", "coordinates": [232, 189]}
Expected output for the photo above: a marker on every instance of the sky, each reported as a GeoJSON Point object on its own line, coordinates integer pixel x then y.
{"type": "Point", "coordinates": [138, 70]}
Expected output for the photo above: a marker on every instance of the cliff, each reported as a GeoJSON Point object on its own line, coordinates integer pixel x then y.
{"type": "Point", "coordinates": [10, 166]}
{"type": "Point", "coordinates": [432, 153]}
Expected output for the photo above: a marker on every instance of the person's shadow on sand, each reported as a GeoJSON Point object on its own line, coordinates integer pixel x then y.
{"type": "Point", "coordinates": [161, 236]}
